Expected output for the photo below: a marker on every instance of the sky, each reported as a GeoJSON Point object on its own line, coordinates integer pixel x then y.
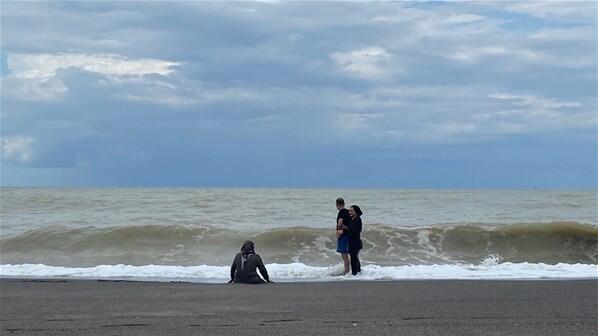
{"type": "Point", "coordinates": [299, 94]}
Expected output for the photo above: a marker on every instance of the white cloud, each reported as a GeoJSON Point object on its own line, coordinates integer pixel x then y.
{"type": "Point", "coordinates": [447, 131]}
{"type": "Point", "coordinates": [368, 62]}
{"type": "Point", "coordinates": [44, 66]}
{"type": "Point", "coordinates": [50, 89]}
{"type": "Point", "coordinates": [533, 101]}
{"type": "Point", "coordinates": [535, 114]}
{"type": "Point", "coordinates": [404, 114]}
{"type": "Point", "coordinates": [444, 24]}
{"type": "Point", "coordinates": [272, 2]}
{"type": "Point", "coordinates": [355, 121]}
{"type": "Point", "coordinates": [518, 56]}
{"type": "Point", "coordinates": [475, 54]}
{"type": "Point", "coordinates": [33, 76]}
{"type": "Point", "coordinates": [431, 18]}
{"type": "Point", "coordinates": [555, 9]}
{"type": "Point", "coordinates": [575, 34]}
{"type": "Point", "coordinates": [454, 18]}
{"type": "Point", "coordinates": [17, 149]}
{"type": "Point", "coordinates": [434, 43]}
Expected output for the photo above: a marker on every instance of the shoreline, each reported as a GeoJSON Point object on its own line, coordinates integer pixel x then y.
{"type": "Point", "coordinates": [297, 272]}
{"type": "Point", "coordinates": [211, 281]}
{"type": "Point", "coordinates": [412, 307]}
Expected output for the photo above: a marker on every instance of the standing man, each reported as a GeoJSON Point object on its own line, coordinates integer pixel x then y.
{"type": "Point", "coordinates": [343, 221]}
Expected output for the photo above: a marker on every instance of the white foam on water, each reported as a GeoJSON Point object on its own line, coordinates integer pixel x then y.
{"type": "Point", "coordinates": [489, 269]}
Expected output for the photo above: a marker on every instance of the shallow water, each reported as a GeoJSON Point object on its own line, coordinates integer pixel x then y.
{"type": "Point", "coordinates": [184, 228]}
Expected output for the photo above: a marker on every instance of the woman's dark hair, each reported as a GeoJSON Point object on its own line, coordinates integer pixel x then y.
{"type": "Point", "coordinates": [248, 247]}
{"type": "Point", "coordinates": [357, 209]}
{"type": "Point", "coordinates": [340, 201]}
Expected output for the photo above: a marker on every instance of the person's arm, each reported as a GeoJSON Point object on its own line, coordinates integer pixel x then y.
{"type": "Point", "coordinates": [342, 225]}
{"type": "Point", "coordinates": [349, 229]}
{"type": "Point", "coordinates": [339, 227]}
{"type": "Point", "coordinates": [358, 230]}
{"type": "Point", "coordinates": [339, 223]}
{"type": "Point", "coordinates": [345, 220]}
{"type": "Point", "coordinates": [233, 268]}
{"type": "Point", "coordinates": [262, 268]}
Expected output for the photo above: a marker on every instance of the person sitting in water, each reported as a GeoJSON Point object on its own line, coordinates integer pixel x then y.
{"type": "Point", "coordinates": [243, 269]}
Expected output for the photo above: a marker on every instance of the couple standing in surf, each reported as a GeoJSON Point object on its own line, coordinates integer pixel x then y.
{"type": "Point", "coordinates": [348, 235]}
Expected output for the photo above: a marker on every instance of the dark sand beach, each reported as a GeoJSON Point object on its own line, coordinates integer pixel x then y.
{"type": "Point", "coordinates": [89, 307]}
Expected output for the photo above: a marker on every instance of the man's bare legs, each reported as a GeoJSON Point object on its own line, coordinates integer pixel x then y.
{"type": "Point", "coordinates": [346, 262]}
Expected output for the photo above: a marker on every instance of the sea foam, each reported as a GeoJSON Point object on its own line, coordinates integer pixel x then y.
{"type": "Point", "coordinates": [301, 272]}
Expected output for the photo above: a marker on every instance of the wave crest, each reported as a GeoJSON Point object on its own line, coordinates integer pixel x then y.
{"type": "Point", "coordinates": [552, 243]}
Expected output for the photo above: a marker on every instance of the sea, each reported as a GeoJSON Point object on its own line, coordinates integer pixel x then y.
{"type": "Point", "coordinates": [192, 234]}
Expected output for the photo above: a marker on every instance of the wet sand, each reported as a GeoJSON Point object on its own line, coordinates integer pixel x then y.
{"type": "Point", "coordinates": [89, 307]}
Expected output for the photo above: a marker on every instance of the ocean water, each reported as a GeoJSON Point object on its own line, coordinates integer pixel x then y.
{"type": "Point", "coordinates": [192, 234]}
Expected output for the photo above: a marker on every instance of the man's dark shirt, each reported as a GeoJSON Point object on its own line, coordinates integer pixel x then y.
{"type": "Point", "coordinates": [344, 214]}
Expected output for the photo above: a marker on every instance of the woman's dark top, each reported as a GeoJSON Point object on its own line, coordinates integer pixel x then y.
{"type": "Point", "coordinates": [354, 233]}
{"type": "Point", "coordinates": [247, 273]}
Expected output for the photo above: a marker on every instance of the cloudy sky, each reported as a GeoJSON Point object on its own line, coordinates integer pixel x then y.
{"type": "Point", "coordinates": [299, 94]}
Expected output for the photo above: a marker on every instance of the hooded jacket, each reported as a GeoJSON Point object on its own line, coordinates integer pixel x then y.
{"type": "Point", "coordinates": [245, 266]}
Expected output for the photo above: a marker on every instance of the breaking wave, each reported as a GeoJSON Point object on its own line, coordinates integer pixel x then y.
{"type": "Point", "coordinates": [384, 245]}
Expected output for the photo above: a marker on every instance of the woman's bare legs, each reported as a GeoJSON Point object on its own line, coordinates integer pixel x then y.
{"type": "Point", "coordinates": [346, 262]}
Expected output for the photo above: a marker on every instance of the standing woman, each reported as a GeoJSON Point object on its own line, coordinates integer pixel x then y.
{"type": "Point", "coordinates": [343, 220]}
{"type": "Point", "coordinates": [354, 233]}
